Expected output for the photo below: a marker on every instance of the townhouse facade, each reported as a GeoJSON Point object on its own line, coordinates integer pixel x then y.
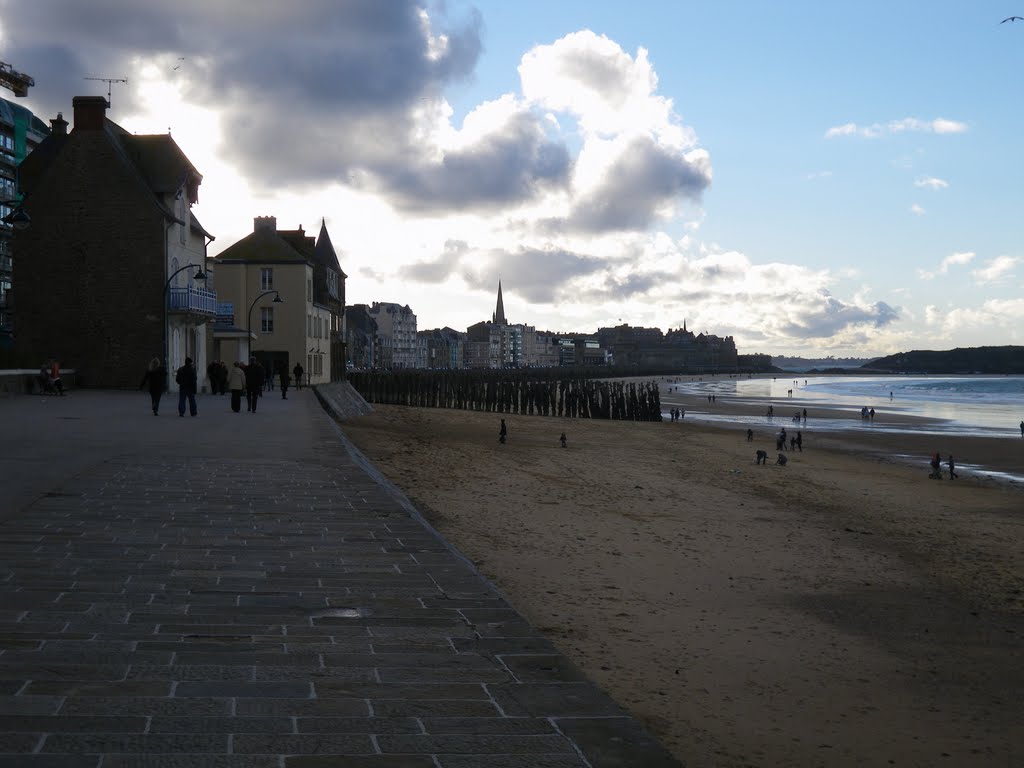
{"type": "Point", "coordinates": [112, 270]}
{"type": "Point", "coordinates": [286, 291]}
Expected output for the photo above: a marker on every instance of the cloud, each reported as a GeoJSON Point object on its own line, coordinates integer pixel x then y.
{"type": "Point", "coordinates": [955, 259]}
{"type": "Point", "coordinates": [819, 175]}
{"type": "Point", "coordinates": [1007, 314]}
{"type": "Point", "coordinates": [908, 124]}
{"type": "Point", "coordinates": [930, 182]}
{"type": "Point", "coordinates": [917, 210]}
{"type": "Point", "coordinates": [996, 269]}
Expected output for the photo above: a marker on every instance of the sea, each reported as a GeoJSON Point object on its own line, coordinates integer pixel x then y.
{"type": "Point", "coordinates": [981, 406]}
{"type": "Point", "coordinates": [985, 406]}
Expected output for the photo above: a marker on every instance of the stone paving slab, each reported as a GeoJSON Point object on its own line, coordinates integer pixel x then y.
{"type": "Point", "coordinates": [244, 590]}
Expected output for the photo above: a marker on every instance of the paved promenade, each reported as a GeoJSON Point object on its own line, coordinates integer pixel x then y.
{"type": "Point", "coordinates": [239, 590]}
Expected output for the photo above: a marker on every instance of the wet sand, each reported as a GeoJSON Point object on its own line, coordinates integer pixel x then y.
{"type": "Point", "coordinates": [843, 610]}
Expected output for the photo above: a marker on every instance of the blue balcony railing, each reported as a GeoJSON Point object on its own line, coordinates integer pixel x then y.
{"type": "Point", "coordinates": [198, 300]}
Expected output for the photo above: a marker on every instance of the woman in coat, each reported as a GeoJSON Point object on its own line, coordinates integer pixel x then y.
{"type": "Point", "coordinates": [236, 383]}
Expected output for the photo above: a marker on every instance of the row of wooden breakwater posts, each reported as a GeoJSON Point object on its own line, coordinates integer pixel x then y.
{"type": "Point", "coordinates": [512, 392]}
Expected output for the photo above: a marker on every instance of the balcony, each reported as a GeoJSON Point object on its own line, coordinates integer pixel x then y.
{"type": "Point", "coordinates": [192, 300]}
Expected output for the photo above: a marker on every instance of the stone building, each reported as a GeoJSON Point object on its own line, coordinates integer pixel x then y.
{"type": "Point", "coordinates": [105, 276]}
{"type": "Point", "coordinates": [396, 331]}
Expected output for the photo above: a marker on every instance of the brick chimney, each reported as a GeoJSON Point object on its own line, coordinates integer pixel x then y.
{"type": "Point", "coordinates": [90, 112]}
{"type": "Point", "coordinates": [264, 222]}
{"type": "Point", "coordinates": [59, 126]}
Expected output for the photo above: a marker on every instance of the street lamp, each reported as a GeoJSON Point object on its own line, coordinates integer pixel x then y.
{"type": "Point", "coordinates": [199, 275]}
{"type": "Point", "coordinates": [17, 219]}
{"type": "Point", "coordinates": [248, 315]}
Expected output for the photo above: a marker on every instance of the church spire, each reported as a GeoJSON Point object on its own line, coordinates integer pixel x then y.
{"type": "Point", "coordinates": [499, 311]}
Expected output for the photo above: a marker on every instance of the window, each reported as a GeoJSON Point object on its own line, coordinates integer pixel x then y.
{"type": "Point", "coordinates": [267, 279]}
{"type": "Point", "coordinates": [309, 290]}
{"type": "Point", "coordinates": [309, 325]}
{"type": "Point", "coordinates": [267, 319]}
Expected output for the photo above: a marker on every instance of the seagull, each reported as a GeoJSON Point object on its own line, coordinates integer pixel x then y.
{"type": "Point", "coordinates": [180, 58]}
{"type": "Point", "coordinates": [1012, 18]}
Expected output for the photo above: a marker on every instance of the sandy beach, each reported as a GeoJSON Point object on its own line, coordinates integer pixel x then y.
{"type": "Point", "coordinates": [842, 610]}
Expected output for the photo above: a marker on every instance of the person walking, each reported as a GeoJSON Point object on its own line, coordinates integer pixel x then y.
{"type": "Point", "coordinates": [254, 379]}
{"type": "Point", "coordinates": [284, 378]}
{"type": "Point", "coordinates": [236, 383]}
{"type": "Point", "coordinates": [936, 467]}
{"type": "Point", "coordinates": [502, 432]}
{"type": "Point", "coordinates": [952, 468]}
{"type": "Point", "coordinates": [562, 440]}
{"type": "Point", "coordinates": [750, 435]}
{"type": "Point", "coordinates": [297, 372]}
{"type": "Point", "coordinates": [154, 380]}
{"type": "Point", "coordinates": [799, 442]}
{"type": "Point", "coordinates": [188, 384]}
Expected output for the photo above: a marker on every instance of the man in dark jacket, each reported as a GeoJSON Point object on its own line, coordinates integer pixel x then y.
{"type": "Point", "coordinates": [188, 384]}
{"type": "Point", "coordinates": [255, 377]}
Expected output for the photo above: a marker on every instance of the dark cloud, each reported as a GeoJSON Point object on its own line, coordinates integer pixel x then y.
{"type": "Point", "coordinates": [308, 92]}
{"type": "Point", "coordinates": [538, 275]}
{"type": "Point", "coordinates": [439, 270]}
{"type": "Point", "coordinates": [643, 178]}
{"type": "Point", "coordinates": [830, 316]}
{"type": "Point", "coordinates": [505, 167]}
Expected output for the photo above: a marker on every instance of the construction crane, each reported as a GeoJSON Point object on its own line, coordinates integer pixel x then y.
{"type": "Point", "coordinates": [15, 80]}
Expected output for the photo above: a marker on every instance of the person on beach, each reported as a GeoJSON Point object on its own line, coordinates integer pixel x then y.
{"type": "Point", "coordinates": [800, 442]}
{"type": "Point", "coordinates": [561, 440]}
{"type": "Point", "coordinates": [1022, 429]}
{"type": "Point", "coordinates": [952, 468]}
{"type": "Point", "coordinates": [502, 432]}
{"type": "Point", "coordinates": [750, 435]}
{"type": "Point", "coordinates": [781, 461]}
{"type": "Point", "coordinates": [236, 383]}
{"type": "Point", "coordinates": [762, 457]}
{"type": "Point", "coordinates": [936, 467]}
{"type": "Point", "coordinates": [153, 379]}
{"type": "Point", "coordinates": [188, 385]}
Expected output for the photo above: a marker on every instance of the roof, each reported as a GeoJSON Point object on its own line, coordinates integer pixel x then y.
{"type": "Point", "coordinates": [325, 253]}
{"type": "Point", "coordinates": [268, 245]}
{"type": "Point", "coordinates": [157, 161]}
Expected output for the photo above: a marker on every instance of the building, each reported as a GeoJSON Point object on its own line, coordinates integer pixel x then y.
{"type": "Point", "coordinates": [441, 348]}
{"type": "Point", "coordinates": [396, 331]}
{"type": "Point", "coordinates": [286, 289]}
{"type": "Point", "coordinates": [361, 340]}
{"type": "Point", "coordinates": [20, 133]}
{"type": "Point", "coordinates": [105, 278]}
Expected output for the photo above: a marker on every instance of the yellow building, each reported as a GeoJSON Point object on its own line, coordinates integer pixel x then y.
{"type": "Point", "coordinates": [286, 291]}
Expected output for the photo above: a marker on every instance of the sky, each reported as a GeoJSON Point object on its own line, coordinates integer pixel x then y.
{"type": "Point", "coordinates": [810, 178]}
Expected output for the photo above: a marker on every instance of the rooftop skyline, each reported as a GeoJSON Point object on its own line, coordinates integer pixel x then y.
{"type": "Point", "coordinates": [810, 179]}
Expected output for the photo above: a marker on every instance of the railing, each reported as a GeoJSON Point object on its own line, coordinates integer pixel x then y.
{"type": "Point", "coordinates": [192, 300]}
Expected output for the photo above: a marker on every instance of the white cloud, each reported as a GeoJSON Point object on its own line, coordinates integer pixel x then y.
{"type": "Point", "coordinates": [819, 175]}
{"type": "Point", "coordinates": [1006, 314]}
{"type": "Point", "coordinates": [930, 182]}
{"type": "Point", "coordinates": [917, 210]}
{"type": "Point", "coordinates": [939, 125]}
{"type": "Point", "coordinates": [996, 269]}
{"type": "Point", "coordinates": [955, 259]}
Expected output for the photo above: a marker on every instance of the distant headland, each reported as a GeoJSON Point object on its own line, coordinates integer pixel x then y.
{"type": "Point", "coordinates": [962, 360]}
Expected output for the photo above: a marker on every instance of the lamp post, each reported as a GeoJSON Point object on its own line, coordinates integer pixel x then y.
{"type": "Point", "coordinates": [248, 315]}
{"type": "Point", "coordinates": [199, 275]}
{"type": "Point", "coordinates": [17, 219]}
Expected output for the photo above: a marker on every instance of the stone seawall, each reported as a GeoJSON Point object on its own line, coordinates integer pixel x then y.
{"type": "Point", "coordinates": [341, 400]}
